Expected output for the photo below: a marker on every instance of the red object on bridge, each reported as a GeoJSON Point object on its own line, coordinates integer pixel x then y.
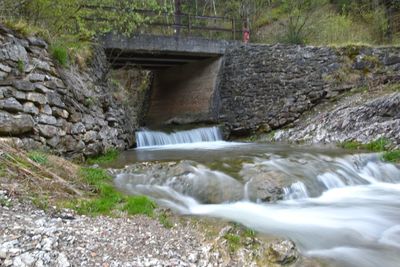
{"type": "Point", "coordinates": [246, 35]}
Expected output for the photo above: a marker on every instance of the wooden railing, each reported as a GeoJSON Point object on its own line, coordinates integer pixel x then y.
{"type": "Point", "coordinates": [182, 24]}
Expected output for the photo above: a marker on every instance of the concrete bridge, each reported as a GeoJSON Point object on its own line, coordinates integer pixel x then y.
{"type": "Point", "coordinates": [185, 72]}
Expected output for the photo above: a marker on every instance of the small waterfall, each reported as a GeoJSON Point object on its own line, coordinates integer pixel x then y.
{"type": "Point", "coordinates": [295, 191]}
{"type": "Point", "coordinates": [154, 138]}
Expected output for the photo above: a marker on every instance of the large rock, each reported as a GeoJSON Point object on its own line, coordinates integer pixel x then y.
{"type": "Point", "coordinates": [282, 252]}
{"type": "Point", "coordinates": [15, 124]}
{"type": "Point", "coordinates": [47, 131]}
{"type": "Point", "coordinates": [354, 118]}
{"type": "Point", "coordinates": [11, 104]}
{"type": "Point", "coordinates": [37, 98]}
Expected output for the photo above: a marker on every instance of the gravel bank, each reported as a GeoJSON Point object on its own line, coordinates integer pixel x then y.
{"type": "Point", "coordinates": [32, 237]}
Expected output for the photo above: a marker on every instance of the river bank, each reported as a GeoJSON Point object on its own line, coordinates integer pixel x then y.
{"type": "Point", "coordinates": [37, 230]}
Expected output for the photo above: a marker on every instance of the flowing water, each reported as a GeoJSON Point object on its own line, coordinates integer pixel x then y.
{"type": "Point", "coordinates": [333, 204]}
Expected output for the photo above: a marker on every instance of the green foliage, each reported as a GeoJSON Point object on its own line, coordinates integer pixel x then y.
{"type": "Point", "coordinates": [233, 241]}
{"type": "Point", "coordinates": [60, 54]}
{"type": "Point", "coordinates": [107, 199]}
{"type": "Point", "coordinates": [20, 66]}
{"type": "Point", "coordinates": [108, 157]}
{"type": "Point", "coordinates": [38, 157]}
{"type": "Point", "coordinates": [164, 220]}
{"type": "Point", "coordinates": [139, 205]}
{"type": "Point", "coordinates": [378, 145]}
{"type": "Point", "coordinates": [392, 156]}
{"type": "Point", "coordinates": [41, 202]}
{"type": "Point", "coordinates": [5, 202]}
{"type": "Point", "coordinates": [95, 177]}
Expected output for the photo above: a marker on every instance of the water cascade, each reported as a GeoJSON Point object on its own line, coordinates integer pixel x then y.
{"type": "Point", "coordinates": [153, 138]}
{"type": "Point", "coordinates": [345, 208]}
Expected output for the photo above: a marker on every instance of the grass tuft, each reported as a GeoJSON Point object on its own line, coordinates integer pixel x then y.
{"type": "Point", "coordinates": [233, 242]}
{"type": "Point", "coordinates": [60, 54]}
{"type": "Point", "coordinates": [107, 199]}
{"type": "Point", "coordinates": [392, 156]}
{"type": "Point", "coordinates": [109, 156]}
{"type": "Point", "coordinates": [38, 157]}
{"type": "Point", "coordinates": [379, 145]}
{"type": "Point", "coordinates": [139, 205]}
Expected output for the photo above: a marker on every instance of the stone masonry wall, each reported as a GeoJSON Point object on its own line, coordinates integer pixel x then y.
{"type": "Point", "coordinates": [266, 87]}
{"type": "Point", "coordinates": [67, 110]}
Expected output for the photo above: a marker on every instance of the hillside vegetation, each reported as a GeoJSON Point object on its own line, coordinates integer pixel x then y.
{"type": "Point", "coordinates": [71, 25]}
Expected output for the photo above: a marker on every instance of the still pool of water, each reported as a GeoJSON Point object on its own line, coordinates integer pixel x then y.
{"type": "Point", "coordinates": [335, 205]}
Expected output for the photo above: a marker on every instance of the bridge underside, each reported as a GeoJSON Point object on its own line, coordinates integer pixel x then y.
{"type": "Point", "coordinates": [185, 73]}
{"type": "Point", "coordinates": [159, 52]}
{"type": "Point", "coordinates": [150, 61]}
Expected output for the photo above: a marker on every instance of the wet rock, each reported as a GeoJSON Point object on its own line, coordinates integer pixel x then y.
{"type": "Point", "coordinates": [15, 124]}
{"type": "Point", "coordinates": [282, 252]}
{"type": "Point", "coordinates": [266, 187]}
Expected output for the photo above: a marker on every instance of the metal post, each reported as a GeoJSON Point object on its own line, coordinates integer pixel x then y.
{"type": "Point", "coordinates": [233, 29]}
{"type": "Point", "coordinates": [177, 17]}
{"type": "Point", "coordinates": [189, 24]}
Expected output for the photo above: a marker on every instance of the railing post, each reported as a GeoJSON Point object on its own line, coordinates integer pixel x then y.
{"type": "Point", "coordinates": [233, 29]}
{"type": "Point", "coordinates": [189, 24]}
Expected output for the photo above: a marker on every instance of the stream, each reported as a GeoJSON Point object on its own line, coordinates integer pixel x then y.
{"type": "Point", "coordinates": [334, 204]}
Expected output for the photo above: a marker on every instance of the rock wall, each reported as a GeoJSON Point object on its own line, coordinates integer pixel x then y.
{"type": "Point", "coordinates": [266, 87]}
{"type": "Point", "coordinates": [65, 109]}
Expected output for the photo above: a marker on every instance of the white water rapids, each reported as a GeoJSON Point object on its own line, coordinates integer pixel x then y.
{"type": "Point", "coordinates": [344, 208]}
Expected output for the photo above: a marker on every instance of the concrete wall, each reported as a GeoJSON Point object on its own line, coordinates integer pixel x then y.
{"type": "Point", "coordinates": [185, 94]}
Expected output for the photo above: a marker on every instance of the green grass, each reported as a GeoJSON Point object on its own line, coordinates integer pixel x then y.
{"type": "Point", "coordinates": [38, 157]}
{"type": "Point", "coordinates": [20, 66]}
{"type": "Point", "coordinates": [164, 220]}
{"type": "Point", "coordinates": [107, 200]}
{"type": "Point", "coordinates": [5, 202]}
{"type": "Point", "coordinates": [109, 156]}
{"type": "Point", "coordinates": [41, 202]}
{"type": "Point", "coordinates": [379, 145]}
{"type": "Point", "coordinates": [139, 205]}
{"type": "Point", "coordinates": [60, 54]}
{"type": "Point", "coordinates": [392, 156]}
{"type": "Point", "coordinates": [233, 242]}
